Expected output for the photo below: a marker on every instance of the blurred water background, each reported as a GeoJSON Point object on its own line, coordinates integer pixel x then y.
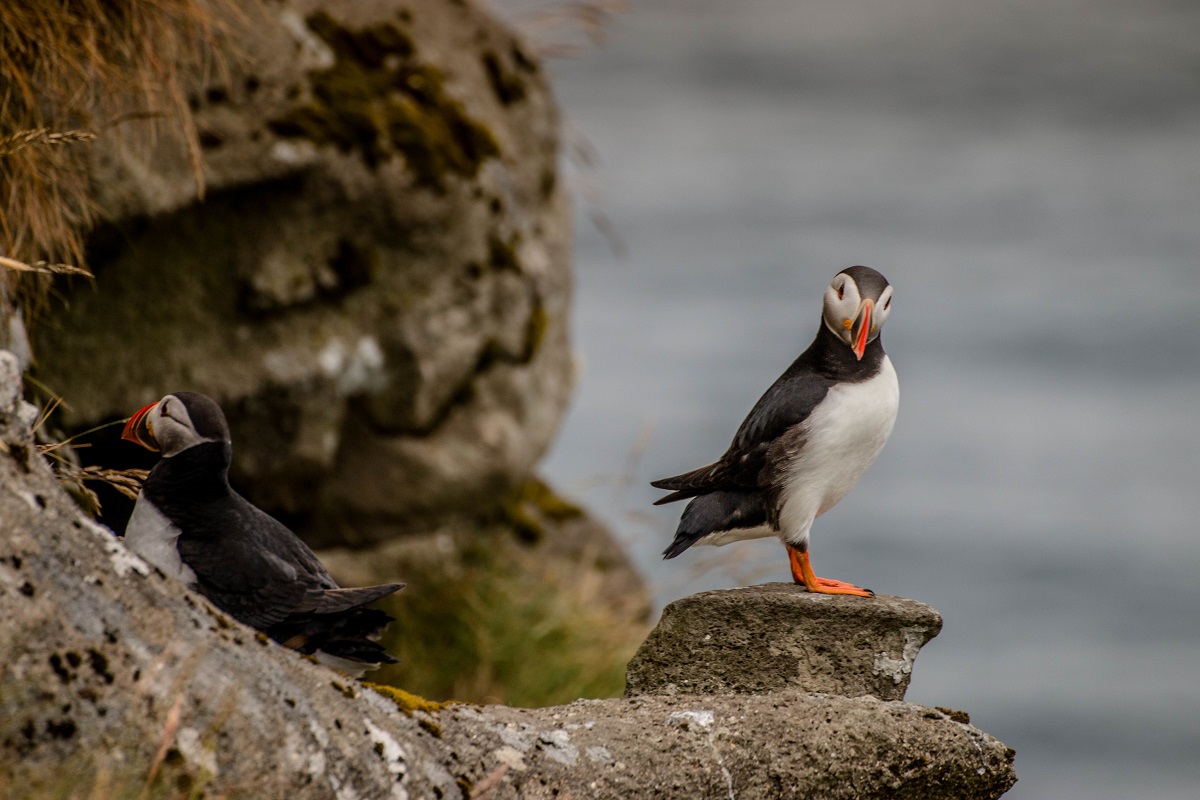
{"type": "Point", "coordinates": [1027, 174]}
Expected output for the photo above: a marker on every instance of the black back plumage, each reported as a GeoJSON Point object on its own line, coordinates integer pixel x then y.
{"type": "Point", "coordinates": [253, 567]}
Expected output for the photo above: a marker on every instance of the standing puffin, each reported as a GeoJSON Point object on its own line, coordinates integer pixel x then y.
{"type": "Point", "coordinates": [193, 526]}
{"type": "Point", "coordinates": [806, 442]}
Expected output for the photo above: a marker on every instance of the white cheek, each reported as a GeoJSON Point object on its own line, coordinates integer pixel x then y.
{"type": "Point", "coordinates": [173, 437]}
{"type": "Point", "coordinates": [846, 313]}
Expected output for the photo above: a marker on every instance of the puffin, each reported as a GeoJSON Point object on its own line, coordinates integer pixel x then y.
{"type": "Point", "coordinates": [190, 523]}
{"type": "Point", "coordinates": [806, 442]}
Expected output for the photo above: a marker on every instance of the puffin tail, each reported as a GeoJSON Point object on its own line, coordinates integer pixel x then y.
{"type": "Point", "coordinates": [332, 601]}
{"type": "Point", "coordinates": [343, 633]}
{"type": "Point", "coordinates": [689, 484]}
{"type": "Point", "coordinates": [718, 513]}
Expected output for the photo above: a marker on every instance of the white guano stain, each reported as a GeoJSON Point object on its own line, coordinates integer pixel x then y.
{"type": "Point", "coordinates": [519, 737]}
{"type": "Point", "coordinates": [600, 755]}
{"type": "Point", "coordinates": [342, 791]}
{"type": "Point", "coordinates": [29, 499]}
{"type": "Point", "coordinates": [312, 53]}
{"type": "Point", "coordinates": [898, 668]}
{"type": "Point", "coordinates": [352, 368]}
{"type": "Point", "coordinates": [557, 746]}
{"type": "Point", "coordinates": [511, 757]}
{"type": "Point", "coordinates": [123, 559]}
{"type": "Point", "coordinates": [297, 152]}
{"type": "Point", "coordinates": [194, 750]}
{"type": "Point", "coordinates": [392, 754]}
{"type": "Point", "coordinates": [702, 722]}
{"type": "Point", "coordinates": [315, 764]}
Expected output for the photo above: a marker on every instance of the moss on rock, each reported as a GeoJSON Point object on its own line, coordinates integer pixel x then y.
{"type": "Point", "coordinates": [533, 505]}
{"type": "Point", "coordinates": [407, 701]}
{"type": "Point", "coordinates": [509, 88]}
{"type": "Point", "coordinates": [379, 100]}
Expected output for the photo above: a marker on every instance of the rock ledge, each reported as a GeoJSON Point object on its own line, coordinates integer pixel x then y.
{"type": "Point", "coordinates": [776, 637]}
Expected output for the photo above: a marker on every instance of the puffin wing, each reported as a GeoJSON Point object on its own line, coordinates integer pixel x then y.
{"type": "Point", "coordinates": [258, 589]}
{"type": "Point", "coordinates": [776, 419]}
{"type": "Point", "coordinates": [252, 566]}
{"type": "Point", "coordinates": [333, 601]}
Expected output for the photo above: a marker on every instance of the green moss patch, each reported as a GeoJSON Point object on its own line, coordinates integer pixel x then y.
{"type": "Point", "coordinates": [532, 506]}
{"type": "Point", "coordinates": [380, 101]}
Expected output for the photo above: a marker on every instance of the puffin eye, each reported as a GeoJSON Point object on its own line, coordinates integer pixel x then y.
{"type": "Point", "coordinates": [887, 304]}
{"type": "Point", "coordinates": [841, 291]}
{"type": "Point", "coordinates": [162, 410]}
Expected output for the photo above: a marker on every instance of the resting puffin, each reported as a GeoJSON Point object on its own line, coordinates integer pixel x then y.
{"type": "Point", "coordinates": [193, 526]}
{"type": "Point", "coordinates": [806, 442]}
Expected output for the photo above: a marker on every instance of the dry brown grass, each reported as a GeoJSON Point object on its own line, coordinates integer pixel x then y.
{"type": "Point", "coordinates": [72, 70]}
{"type": "Point", "coordinates": [73, 475]}
{"type": "Point", "coordinates": [561, 28]}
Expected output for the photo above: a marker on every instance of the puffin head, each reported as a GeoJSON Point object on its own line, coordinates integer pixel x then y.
{"type": "Point", "coordinates": [856, 306]}
{"type": "Point", "coordinates": [177, 422]}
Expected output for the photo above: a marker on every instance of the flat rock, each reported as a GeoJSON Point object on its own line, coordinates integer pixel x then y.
{"type": "Point", "coordinates": [776, 637]}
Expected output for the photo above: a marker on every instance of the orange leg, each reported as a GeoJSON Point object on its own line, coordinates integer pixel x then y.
{"type": "Point", "coordinates": [802, 573]}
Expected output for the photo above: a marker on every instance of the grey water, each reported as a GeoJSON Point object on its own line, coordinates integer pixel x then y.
{"type": "Point", "coordinates": [1027, 174]}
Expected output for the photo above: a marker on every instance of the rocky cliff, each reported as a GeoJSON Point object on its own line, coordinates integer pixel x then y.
{"type": "Point", "coordinates": [375, 288]}
{"type": "Point", "coordinates": [376, 284]}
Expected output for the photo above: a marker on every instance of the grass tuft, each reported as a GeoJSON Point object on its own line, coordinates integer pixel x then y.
{"type": "Point", "coordinates": [70, 71]}
{"type": "Point", "coordinates": [506, 625]}
{"type": "Point", "coordinates": [73, 475]}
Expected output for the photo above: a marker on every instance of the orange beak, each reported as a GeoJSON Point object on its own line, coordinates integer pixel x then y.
{"type": "Point", "coordinates": [138, 430]}
{"type": "Point", "coordinates": [861, 329]}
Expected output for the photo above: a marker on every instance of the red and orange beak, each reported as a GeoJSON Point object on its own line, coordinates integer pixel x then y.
{"type": "Point", "coordinates": [138, 429]}
{"type": "Point", "coordinates": [860, 332]}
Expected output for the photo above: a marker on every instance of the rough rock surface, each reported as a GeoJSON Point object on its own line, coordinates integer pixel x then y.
{"type": "Point", "coordinates": [787, 745]}
{"type": "Point", "coordinates": [116, 677]}
{"type": "Point", "coordinates": [376, 285]}
{"type": "Point", "coordinates": [777, 636]}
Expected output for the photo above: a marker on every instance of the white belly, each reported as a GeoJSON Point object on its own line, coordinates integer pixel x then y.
{"type": "Point", "coordinates": [844, 436]}
{"type": "Point", "coordinates": [722, 538]}
{"type": "Point", "coordinates": [152, 536]}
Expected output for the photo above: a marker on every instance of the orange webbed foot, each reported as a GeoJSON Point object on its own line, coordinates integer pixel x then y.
{"type": "Point", "coordinates": [802, 574]}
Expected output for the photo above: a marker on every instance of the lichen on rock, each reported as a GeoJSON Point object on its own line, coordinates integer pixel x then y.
{"type": "Point", "coordinates": [379, 100]}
